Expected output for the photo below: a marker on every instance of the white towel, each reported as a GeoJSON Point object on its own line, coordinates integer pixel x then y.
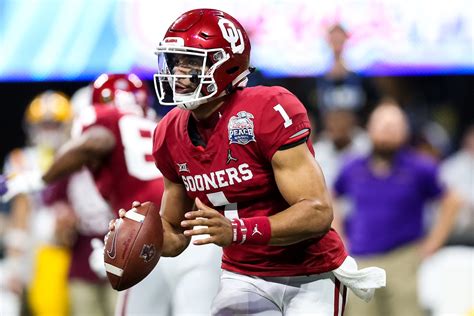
{"type": "Point", "coordinates": [362, 282]}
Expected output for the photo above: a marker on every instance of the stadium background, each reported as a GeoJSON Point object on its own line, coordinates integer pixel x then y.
{"type": "Point", "coordinates": [425, 61]}
{"type": "Point", "coordinates": [419, 52]}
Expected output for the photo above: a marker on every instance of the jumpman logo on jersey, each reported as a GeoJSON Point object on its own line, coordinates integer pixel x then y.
{"type": "Point", "coordinates": [229, 157]}
{"type": "Point", "coordinates": [256, 231]}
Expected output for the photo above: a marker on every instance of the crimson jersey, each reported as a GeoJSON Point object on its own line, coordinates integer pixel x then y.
{"type": "Point", "coordinates": [128, 173]}
{"type": "Point", "coordinates": [234, 175]}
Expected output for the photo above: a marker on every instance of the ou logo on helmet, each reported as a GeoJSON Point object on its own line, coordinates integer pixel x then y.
{"type": "Point", "coordinates": [232, 35]}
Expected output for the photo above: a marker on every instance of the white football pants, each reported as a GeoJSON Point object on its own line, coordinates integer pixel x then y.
{"type": "Point", "coordinates": [318, 295]}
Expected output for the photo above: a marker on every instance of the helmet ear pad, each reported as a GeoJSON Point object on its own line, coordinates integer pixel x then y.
{"type": "Point", "coordinates": [226, 73]}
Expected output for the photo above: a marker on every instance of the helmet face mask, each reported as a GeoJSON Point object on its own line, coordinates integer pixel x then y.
{"type": "Point", "coordinates": [204, 55]}
{"type": "Point", "coordinates": [185, 75]}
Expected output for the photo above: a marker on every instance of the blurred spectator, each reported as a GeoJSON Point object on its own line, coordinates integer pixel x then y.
{"type": "Point", "coordinates": [340, 139]}
{"type": "Point", "coordinates": [446, 282]}
{"type": "Point", "coordinates": [38, 237]}
{"type": "Point", "coordinates": [341, 94]}
{"type": "Point", "coordinates": [389, 189]}
{"type": "Point", "coordinates": [431, 139]}
{"type": "Point", "coordinates": [457, 172]}
{"type": "Point", "coordinates": [339, 87]}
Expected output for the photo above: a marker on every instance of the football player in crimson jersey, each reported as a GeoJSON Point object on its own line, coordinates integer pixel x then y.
{"type": "Point", "coordinates": [238, 161]}
{"type": "Point", "coordinates": [111, 136]}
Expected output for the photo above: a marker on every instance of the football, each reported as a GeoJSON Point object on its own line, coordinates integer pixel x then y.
{"type": "Point", "coordinates": [133, 248]}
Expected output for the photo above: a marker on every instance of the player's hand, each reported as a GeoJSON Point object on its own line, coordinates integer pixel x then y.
{"type": "Point", "coordinates": [121, 214]}
{"type": "Point", "coordinates": [218, 227]}
{"type": "Point", "coordinates": [113, 223]}
{"type": "Point", "coordinates": [28, 182]}
{"type": "Point", "coordinates": [96, 258]}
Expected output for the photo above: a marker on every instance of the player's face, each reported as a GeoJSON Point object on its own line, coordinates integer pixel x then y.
{"type": "Point", "coordinates": [188, 69]}
{"type": "Point", "coordinates": [388, 129]}
{"type": "Point", "coordinates": [183, 76]}
{"type": "Point", "coordinates": [48, 134]}
{"type": "Point", "coordinates": [337, 39]}
{"type": "Point", "coordinates": [339, 125]}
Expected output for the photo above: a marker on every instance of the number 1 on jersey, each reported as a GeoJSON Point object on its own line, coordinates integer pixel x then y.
{"type": "Point", "coordinates": [287, 121]}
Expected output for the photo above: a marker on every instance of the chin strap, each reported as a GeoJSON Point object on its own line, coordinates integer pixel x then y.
{"type": "Point", "coordinates": [242, 79]}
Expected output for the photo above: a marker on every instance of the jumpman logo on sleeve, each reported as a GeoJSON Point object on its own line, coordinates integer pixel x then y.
{"type": "Point", "coordinates": [256, 231]}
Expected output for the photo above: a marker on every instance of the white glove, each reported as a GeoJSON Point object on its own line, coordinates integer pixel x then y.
{"type": "Point", "coordinates": [96, 258]}
{"type": "Point", "coordinates": [27, 182]}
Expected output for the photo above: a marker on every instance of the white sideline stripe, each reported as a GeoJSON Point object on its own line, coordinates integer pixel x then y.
{"type": "Point", "coordinates": [134, 216]}
{"type": "Point", "coordinates": [113, 269]}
